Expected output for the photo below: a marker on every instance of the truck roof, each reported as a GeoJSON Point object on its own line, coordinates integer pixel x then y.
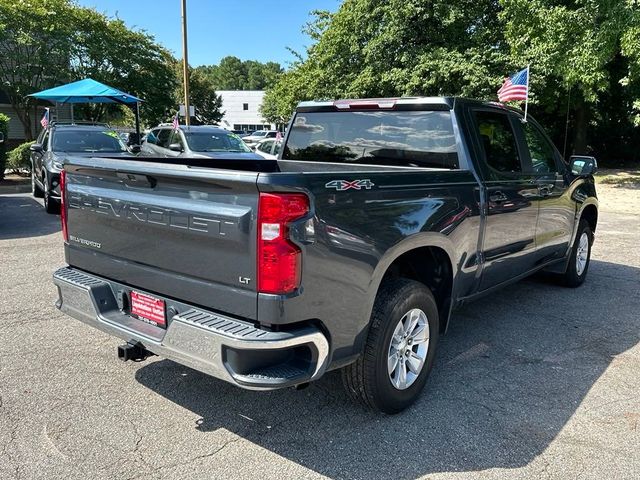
{"type": "Point", "coordinates": [391, 102]}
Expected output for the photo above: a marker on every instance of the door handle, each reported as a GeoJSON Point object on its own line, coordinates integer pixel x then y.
{"type": "Point", "coordinates": [498, 197]}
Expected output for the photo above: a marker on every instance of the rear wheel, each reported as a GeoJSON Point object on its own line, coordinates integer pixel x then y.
{"type": "Point", "coordinates": [399, 350]}
{"type": "Point", "coordinates": [578, 266]}
{"type": "Point", "coordinates": [51, 205]}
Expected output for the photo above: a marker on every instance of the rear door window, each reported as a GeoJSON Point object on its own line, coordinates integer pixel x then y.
{"type": "Point", "coordinates": [152, 136]}
{"type": "Point", "coordinates": [175, 137]}
{"type": "Point", "coordinates": [541, 151]}
{"type": "Point", "coordinates": [498, 141]}
{"type": "Point", "coordinates": [163, 138]}
{"type": "Point", "coordinates": [394, 138]}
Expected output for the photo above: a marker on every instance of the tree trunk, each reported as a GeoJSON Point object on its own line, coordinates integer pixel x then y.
{"type": "Point", "coordinates": [581, 123]}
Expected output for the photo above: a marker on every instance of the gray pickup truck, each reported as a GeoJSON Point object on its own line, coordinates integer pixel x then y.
{"type": "Point", "coordinates": [350, 251]}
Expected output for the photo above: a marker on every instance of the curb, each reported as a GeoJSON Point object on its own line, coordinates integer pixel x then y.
{"type": "Point", "coordinates": [4, 189]}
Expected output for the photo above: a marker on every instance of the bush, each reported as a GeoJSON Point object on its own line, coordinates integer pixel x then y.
{"type": "Point", "coordinates": [19, 158]}
{"type": "Point", "coordinates": [4, 128]}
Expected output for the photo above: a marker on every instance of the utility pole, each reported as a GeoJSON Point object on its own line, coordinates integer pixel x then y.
{"type": "Point", "coordinates": [185, 65]}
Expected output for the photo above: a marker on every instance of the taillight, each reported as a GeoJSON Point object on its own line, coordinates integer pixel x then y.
{"type": "Point", "coordinates": [63, 205]}
{"type": "Point", "coordinates": [279, 259]}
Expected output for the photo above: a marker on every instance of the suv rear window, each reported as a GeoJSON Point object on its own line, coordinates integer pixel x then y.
{"type": "Point", "coordinates": [408, 139]}
{"type": "Point", "coordinates": [77, 141]}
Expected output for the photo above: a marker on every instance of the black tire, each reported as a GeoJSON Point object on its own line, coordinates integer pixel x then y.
{"type": "Point", "coordinates": [572, 277]}
{"type": "Point", "coordinates": [368, 380]}
{"type": "Point", "coordinates": [36, 191]}
{"type": "Point", "coordinates": [51, 205]}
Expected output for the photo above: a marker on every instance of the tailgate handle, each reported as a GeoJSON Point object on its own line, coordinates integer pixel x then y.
{"type": "Point", "coordinates": [137, 180]}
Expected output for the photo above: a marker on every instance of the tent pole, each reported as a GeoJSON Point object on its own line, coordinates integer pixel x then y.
{"type": "Point", "coordinates": [138, 123]}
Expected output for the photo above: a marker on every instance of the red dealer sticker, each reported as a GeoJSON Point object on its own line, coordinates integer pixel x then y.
{"type": "Point", "coordinates": [148, 309]}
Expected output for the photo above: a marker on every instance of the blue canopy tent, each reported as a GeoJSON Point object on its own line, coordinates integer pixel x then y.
{"type": "Point", "coordinates": [90, 91]}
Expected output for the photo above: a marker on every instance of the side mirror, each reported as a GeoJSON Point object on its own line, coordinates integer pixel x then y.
{"type": "Point", "coordinates": [175, 147]}
{"type": "Point", "coordinates": [36, 147]}
{"type": "Point", "coordinates": [582, 165]}
{"type": "Point", "coordinates": [134, 148]}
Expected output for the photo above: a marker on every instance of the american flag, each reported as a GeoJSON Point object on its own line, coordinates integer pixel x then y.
{"type": "Point", "coordinates": [515, 87]}
{"type": "Point", "coordinates": [176, 121]}
{"type": "Point", "coordinates": [45, 119]}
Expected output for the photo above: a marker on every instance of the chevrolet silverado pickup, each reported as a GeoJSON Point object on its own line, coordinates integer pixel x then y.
{"type": "Point", "coordinates": [350, 251]}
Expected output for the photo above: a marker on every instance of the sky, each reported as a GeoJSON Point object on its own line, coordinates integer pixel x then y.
{"type": "Point", "coordinates": [247, 29]}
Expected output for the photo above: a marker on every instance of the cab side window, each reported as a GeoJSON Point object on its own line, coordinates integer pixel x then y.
{"type": "Point", "coordinates": [45, 141]}
{"type": "Point", "coordinates": [163, 138]}
{"type": "Point", "coordinates": [498, 141]}
{"type": "Point", "coordinates": [176, 138]}
{"type": "Point", "coordinates": [541, 151]}
{"type": "Point", "coordinates": [152, 136]}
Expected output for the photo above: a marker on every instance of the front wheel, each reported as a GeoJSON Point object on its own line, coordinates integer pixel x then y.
{"type": "Point", "coordinates": [51, 205]}
{"type": "Point", "coordinates": [399, 350]}
{"type": "Point", "coordinates": [580, 256]}
{"type": "Point", "coordinates": [36, 191]}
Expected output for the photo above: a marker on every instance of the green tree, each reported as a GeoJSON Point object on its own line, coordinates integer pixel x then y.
{"type": "Point", "coordinates": [587, 47]}
{"type": "Point", "coordinates": [230, 74]}
{"type": "Point", "coordinates": [584, 53]}
{"type": "Point", "coordinates": [208, 105]}
{"type": "Point", "coordinates": [107, 51]}
{"type": "Point", "coordinates": [52, 42]}
{"type": "Point", "coordinates": [202, 95]}
{"type": "Point", "coordinates": [35, 47]}
{"type": "Point", "coordinates": [397, 47]}
{"type": "Point", "coordinates": [234, 74]}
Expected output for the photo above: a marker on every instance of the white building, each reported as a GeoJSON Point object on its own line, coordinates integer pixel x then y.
{"type": "Point", "coordinates": [242, 110]}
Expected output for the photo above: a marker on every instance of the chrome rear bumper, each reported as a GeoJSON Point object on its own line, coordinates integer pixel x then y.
{"type": "Point", "coordinates": [224, 347]}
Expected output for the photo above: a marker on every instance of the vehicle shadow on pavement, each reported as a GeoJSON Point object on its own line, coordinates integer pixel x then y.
{"type": "Point", "coordinates": [510, 373]}
{"type": "Point", "coordinates": [24, 217]}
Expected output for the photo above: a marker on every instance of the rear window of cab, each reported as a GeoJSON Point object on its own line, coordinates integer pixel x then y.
{"type": "Point", "coordinates": [395, 138]}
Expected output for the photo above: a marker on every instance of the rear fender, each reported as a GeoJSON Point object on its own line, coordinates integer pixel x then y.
{"type": "Point", "coordinates": [425, 239]}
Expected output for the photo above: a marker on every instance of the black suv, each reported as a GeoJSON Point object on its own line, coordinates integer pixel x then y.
{"type": "Point", "coordinates": [59, 140]}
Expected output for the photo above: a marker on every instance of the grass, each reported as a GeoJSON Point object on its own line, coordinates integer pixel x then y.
{"type": "Point", "coordinates": [628, 177]}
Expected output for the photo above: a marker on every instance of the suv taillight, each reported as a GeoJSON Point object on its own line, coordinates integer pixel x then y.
{"type": "Point", "coordinates": [63, 205]}
{"type": "Point", "coordinates": [279, 259]}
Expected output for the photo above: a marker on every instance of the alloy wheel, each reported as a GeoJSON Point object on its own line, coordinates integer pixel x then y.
{"type": "Point", "coordinates": [582, 253]}
{"type": "Point", "coordinates": [408, 349]}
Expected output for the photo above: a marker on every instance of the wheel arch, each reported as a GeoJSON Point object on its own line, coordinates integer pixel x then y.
{"type": "Point", "coordinates": [427, 258]}
{"type": "Point", "coordinates": [590, 214]}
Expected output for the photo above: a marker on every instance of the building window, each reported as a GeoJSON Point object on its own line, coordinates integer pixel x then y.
{"type": "Point", "coordinates": [245, 106]}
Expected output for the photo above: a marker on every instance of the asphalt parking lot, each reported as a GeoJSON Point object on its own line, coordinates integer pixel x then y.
{"type": "Point", "coordinates": [537, 381]}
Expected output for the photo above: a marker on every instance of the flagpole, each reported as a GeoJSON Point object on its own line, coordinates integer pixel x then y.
{"type": "Point", "coordinates": [185, 65]}
{"type": "Point", "coordinates": [526, 103]}
{"type": "Point", "coordinates": [566, 126]}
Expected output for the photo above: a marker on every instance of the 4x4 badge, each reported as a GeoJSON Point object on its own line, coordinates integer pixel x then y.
{"type": "Point", "coordinates": [342, 185]}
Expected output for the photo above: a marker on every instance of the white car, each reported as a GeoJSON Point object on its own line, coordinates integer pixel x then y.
{"type": "Point", "coordinates": [269, 148]}
{"type": "Point", "coordinates": [253, 139]}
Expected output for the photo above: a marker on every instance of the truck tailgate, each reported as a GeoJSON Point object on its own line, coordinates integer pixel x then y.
{"type": "Point", "coordinates": [183, 232]}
